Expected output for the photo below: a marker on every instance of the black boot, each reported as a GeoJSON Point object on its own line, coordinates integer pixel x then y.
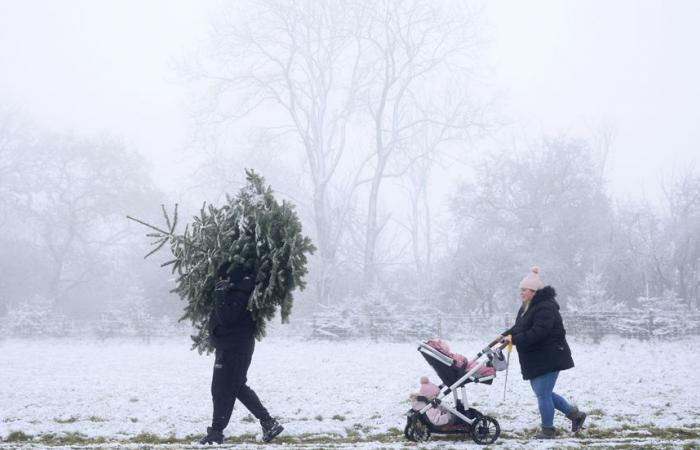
{"type": "Point", "coordinates": [546, 433]}
{"type": "Point", "coordinates": [577, 418]}
{"type": "Point", "coordinates": [213, 437]}
{"type": "Point", "coordinates": [271, 428]}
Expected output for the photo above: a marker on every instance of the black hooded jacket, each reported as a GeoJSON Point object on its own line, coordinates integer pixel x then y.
{"type": "Point", "coordinates": [540, 337]}
{"type": "Point", "coordinates": [231, 325]}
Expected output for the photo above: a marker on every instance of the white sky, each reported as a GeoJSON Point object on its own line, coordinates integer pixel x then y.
{"type": "Point", "coordinates": [633, 66]}
{"type": "Point", "coordinates": [562, 67]}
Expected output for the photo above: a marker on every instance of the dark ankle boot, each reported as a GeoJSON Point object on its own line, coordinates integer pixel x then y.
{"type": "Point", "coordinates": [271, 428]}
{"type": "Point", "coordinates": [546, 433]}
{"type": "Point", "coordinates": [577, 418]}
{"type": "Point", "coordinates": [213, 437]}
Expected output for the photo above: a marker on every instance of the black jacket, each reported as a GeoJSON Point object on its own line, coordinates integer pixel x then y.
{"type": "Point", "coordinates": [231, 326]}
{"type": "Point", "coordinates": [540, 337]}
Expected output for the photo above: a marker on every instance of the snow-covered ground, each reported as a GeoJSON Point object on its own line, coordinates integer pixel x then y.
{"type": "Point", "coordinates": [329, 395]}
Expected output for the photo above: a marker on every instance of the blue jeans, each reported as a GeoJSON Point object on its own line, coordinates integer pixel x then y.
{"type": "Point", "coordinates": [547, 399]}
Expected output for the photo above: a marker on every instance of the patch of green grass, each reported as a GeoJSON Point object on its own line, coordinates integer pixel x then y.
{"type": "Point", "coordinates": [133, 419]}
{"type": "Point", "coordinates": [248, 419]}
{"type": "Point", "coordinates": [306, 438]}
{"type": "Point", "coordinates": [392, 435]}
{"type": "Point", "coordinates": [366, 429]}
{"type": "Point", "coordinates": [319, 418]}
{"type": "Point", "coordinates": [510, 435]}
{"type": "Point", "coordinates": [246, 438]}
{"type": "Point", "coordinates": [339, 418]}
{"type": "Point", "coordinates": [71, 438]}
{"type": "Point", "coordinates": [150, 438]}
{"type": "Point", "coordinates": [644, 431]}
{"type": "Point", "coordinates": [71, 419]}
{"type": "Point", "coordinates": [597, 433]}
{"type": "Point", "coordinates": [596, 412]}
{"type": "Point", "coordinates": [637, 446]}
{"type": "Point", "coordinates": [353, 433]}
{"type": "Point", "coordinates": [624, 417]}
{"type": "Point", "coordinates": [674, 433]}
{"type": "Point", "coordinates": [96, 419]}
{"type": "Point", "coordinates": [359, 433]}
{"type": "Point", "coordinates": [18, 436]}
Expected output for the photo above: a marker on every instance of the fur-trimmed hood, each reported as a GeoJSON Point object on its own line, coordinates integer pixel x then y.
{"type": "Point", "coordinates": [547, 293]}
{"type": "Point", "coordinates": [540, 336]}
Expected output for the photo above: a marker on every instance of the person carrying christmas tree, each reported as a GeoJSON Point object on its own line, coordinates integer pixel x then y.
{"type": "Point", "coordinates": [232, 334]}
{"type": "Point", "coordinates": [237, 266]}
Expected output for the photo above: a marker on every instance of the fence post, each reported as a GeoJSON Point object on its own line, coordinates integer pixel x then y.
{"type": "Point", "coordinates": [596, 329]}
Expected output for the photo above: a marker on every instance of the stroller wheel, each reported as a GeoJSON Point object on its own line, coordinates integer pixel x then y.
{"type": "Point", "coordinates": [407, 428]}
{"type": "Point", "coordinates": [416, 430]}
{"type": "Point", "coordinates": [485, 430]}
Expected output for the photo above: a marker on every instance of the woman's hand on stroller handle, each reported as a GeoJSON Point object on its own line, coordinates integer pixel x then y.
{"type": "Point", "coordinates": [500, 339]}
{"type": "Point", "coordinates": [503, 340]}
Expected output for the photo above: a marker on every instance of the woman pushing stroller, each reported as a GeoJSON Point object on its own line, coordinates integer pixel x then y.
{"type": "Point", "coordinates": [540, 338]}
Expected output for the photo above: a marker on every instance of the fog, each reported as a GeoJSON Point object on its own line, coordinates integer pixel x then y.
{"type": "Point", "coordinates": [512, 134]}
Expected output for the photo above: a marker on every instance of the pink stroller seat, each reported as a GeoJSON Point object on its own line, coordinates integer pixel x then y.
{"type": "Point", "coordinates": [461, 362]}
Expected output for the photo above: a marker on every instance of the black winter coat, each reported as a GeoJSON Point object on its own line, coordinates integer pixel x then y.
{"type": "Point", "coordinates": [539, 336]}
{"type": "Point", "coordinates": [231, 326]}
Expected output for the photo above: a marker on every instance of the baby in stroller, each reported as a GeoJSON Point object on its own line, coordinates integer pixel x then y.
{"type": "Point", "coordinates": [429, 414]}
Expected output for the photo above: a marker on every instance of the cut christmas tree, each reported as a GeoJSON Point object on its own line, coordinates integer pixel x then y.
{"type": "Point", "coordinates": [253, 232]}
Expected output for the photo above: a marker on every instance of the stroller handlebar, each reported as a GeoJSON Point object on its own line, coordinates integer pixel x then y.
{"type": "Point", "coordinates": [490, 348]}
{"type": "Point", "coordinates": [495, 341]}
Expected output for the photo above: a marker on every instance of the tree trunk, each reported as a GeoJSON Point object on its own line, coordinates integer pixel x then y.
{"type": "Point", "coordinates": [326, 247]}
{"type": "Point", "coordinates": [372, 231]}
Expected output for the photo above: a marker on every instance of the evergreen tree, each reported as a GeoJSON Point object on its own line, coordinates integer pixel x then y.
{"type": "Point", "coordinates": [592, 296]}
{"type": "Point", "coordinates": [252, 231]}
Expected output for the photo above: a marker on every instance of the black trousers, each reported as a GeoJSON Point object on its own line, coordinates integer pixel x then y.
{"type": "Point", "coordinates": [229, 383]}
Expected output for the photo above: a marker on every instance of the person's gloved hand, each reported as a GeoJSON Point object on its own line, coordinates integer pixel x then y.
{"type": "Point", "coordinates": [222, 285]}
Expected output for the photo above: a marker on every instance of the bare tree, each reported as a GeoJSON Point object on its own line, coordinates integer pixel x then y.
{"type": "Point", "coordinates": [683, 229]}
{"type": "Point", "coordinates": [302, 58]}
{"type": "Point", "coordinates": [547, 207]}
{"type": "Point", "coordinates": [69, 195]}
{"type": "Point", "coordinates": [344, 81]}
{"type": "Point", "coordinates": [420, 218]}
{"type": "Point", "coordinates": [414, 46]}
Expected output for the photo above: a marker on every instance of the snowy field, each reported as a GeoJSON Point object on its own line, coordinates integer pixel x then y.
{"type": "Point", "coordinates": [127, 394]}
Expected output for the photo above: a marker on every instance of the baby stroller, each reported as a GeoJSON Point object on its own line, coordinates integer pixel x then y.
{"type": "Point", "coordinates": [456, 372]}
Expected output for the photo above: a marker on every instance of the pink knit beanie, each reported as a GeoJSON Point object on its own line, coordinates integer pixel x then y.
{"type": "Point", "coordinates": [532, 280]}
{"type": "Point", "coordinates": [428, 389]}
